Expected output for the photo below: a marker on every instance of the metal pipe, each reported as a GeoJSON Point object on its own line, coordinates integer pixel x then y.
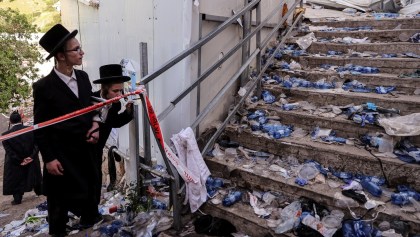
{"type": "Point", "coordinates": [198, 44]}
{"type": "Point", "coordinates": [146, 126]}
{"type": "Point", "coordinates": [198, 99]}
{"type": "Point", "coordinates": [258, 46]}
{"type": "Point", "coordinates": [142, 166]}
{"type": "Point", "coordinates": [245, 47]}
{"type": "Point", "coordinates": [219, 95]}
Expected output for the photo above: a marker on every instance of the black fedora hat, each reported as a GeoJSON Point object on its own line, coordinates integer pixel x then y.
{"type": "Point", "coordinates": [15, 117]}
{"type": "Point", "coordinates": [111, 73]}
{"type": "Point", "coordinates": [55, 38]}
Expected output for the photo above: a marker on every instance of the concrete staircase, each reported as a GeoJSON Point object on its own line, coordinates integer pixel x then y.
{"type": "Point", "coordinates": [245, 174]}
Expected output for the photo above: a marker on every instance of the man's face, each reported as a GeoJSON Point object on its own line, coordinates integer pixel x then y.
{"type": "Point", "coordinates": [115, 90]}
{"type": "Point", "coordinates": [73, 53]}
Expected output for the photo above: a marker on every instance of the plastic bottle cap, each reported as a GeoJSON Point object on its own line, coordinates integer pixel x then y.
{"type": "Point", "coordinates": [113, 209]}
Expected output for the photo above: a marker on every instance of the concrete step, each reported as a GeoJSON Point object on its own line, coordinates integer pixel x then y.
{"type": "Point", "coordinates": [344, 127]}
{"type": "Point", "coordinates": [407, 85]}
{"type": "Point", "coordinates": [373, 35]}
{"type": "Point", "coordinates": [261, 178]}
{"type": "Point", "coordinates": [385, 65]}
{"type": "Point", "coordinates": [340, 157]}
{"type": "Point", "coordinates": [241, 214]}
{"type": "Point", "coordinates": [380, 48]}
{"type": "Point", "coordinates": [383, 24]}
{"type": "Point", "coordinates": [406, 104]}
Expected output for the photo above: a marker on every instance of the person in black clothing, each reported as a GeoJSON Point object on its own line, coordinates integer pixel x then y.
{"type": "Point", "coordinates": [68, 147]}
{"type": "Point", "coordinates": [112, 85]}
{"type": "Point", "coordinates": [22, 171]}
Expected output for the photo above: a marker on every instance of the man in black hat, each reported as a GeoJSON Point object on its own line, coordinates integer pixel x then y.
{"type": "Point", "coordinates": [67, 148]}
{"type": "Point", "coordinates": [22, 171]}
{"type": "Point", "coordinates": [112, 85]}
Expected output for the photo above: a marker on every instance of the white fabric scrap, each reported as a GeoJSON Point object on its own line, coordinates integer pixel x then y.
{"type": "Point", "coordinates": [189, 154]}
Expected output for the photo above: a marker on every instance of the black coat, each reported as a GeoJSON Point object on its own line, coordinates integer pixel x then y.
{"type": "Point", "coordinates": [18, 179]}
{"type": "Point", "coordinates": [113, 120]}
{"type": "Point", "coordinates": [65, 141]}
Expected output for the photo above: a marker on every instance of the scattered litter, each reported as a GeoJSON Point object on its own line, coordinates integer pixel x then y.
{"type": "Point", "coordinates": [305, 41]}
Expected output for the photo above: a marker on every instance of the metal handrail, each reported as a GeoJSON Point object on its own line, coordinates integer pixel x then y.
{"type": "Point", "coordinates": [185, 92]}
{"type": "Point", "coordinates": [198, 44]}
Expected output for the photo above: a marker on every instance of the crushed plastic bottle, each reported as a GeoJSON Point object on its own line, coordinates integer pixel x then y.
{"type": "Point", "coordinates": [290, 216]}
{"type": "Point", "coordinates": [365, 118]}
{"type": "Point", "coordinates": [301, 182]}
{"type": "Point", "coordinates": [383, 142]}
{"type": "Point", "coordinates": [231, 198]}
{"type": "Point", "coordinates": [375, 179]}
{"type": "Point", "coordinates": [371, 187]}
{"type": "Point", "coordinates": [352, 228]}
{"type": "Point", "coordinates": [384, 89]}
{"type": "Point", "coordinates": [402, 197]}
{"type": "Point", "coordinates": [268, 97]}
{"type": "Point", "coordinates": [406, 148]}
{"type": "Point", "coordinates": [156, 204]}
{"type": "Point", "coordinates": [290, 106]}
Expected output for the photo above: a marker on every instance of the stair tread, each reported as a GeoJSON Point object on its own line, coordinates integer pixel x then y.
{"type": "Point", "coordinates": [348, 150]}
{"type": "Point", "coordinates": [366, 44]}
{"type": "Point", "coordinates": [408, 99]}
{"type": "Point", "coordinates": [416, 60]}
{"type": "Point", "coordinates": [262, 177]}
{"type": "Point", "coordinates": [378, 76]}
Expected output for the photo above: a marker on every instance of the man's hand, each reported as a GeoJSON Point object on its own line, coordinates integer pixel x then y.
{"type": "Point", "coordinates": [54, 167]}
{"type": "Point", "coordinates": [129, 107]}
{"type": "Point", "coordinates": [93, 133]}
{"type": "Point", "coordinates": [26, 161]}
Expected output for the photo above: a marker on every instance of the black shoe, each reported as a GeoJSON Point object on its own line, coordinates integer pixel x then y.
{"type": "Point", "coordinates": [85, 225]}
{"type": "Point", "coordinates": [59, 235]}
{"type": "Point", "coordinates": [14, 202]}
{"type": "Point", "coordinates": [110, 187]}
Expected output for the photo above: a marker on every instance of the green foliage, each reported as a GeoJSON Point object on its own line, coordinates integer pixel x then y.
{"type": "Point", "coordinates": [40, 12]}
{"type": "Point", "coordinates": [18, 57]}
{"type": "Point", "coordinates": [137, 202]}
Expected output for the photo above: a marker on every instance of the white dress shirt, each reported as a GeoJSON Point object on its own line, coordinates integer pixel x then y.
{"type": "Point", "coordinates": [71, 82]}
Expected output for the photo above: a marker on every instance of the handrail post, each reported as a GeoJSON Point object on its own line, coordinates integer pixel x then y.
{"type": "Point", "coordinates": [245, 47]}
{"type": "Point", "coordinates": [146, 126]}
{"type": "Point", "coordinates": [200, 34]}
{"type": "Point", "coordinates": [258, 46]}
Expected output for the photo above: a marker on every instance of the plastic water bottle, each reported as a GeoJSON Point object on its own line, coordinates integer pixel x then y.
{"type": "Point", "coordinates": [301, 181]}
{"type": "Point", "coordinates": [268, 97]}
{"type": "Point", "coordinates": [256, 114]}
{"type": "Point", "coordinates": [352, 228]}
{"type": "Point", "coordinates": [341, 175]}
{"type": "Point", "coordinates": [384, 89]}
{"type": "Point", "coordinates": [283, 132]}
{"type": "Point", "coordinates": [290, 106]}
{"type": "Point", "coordinates": [231, 198]}
{"type": "Point", "coordinates": [334, 139]}
{"type": "Point", "coordinates": [156, 204]}
{"type": "Point", "coordinates": [401, 198]}
{"type": "Point", "coordinates": [371, 187]}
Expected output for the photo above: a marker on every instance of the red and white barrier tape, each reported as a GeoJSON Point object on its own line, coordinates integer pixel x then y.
{"type": "Point", "coordinates": [181, 168]}
{"type": "Point", "coordinates": [186, 175]}
{"type": "Point", "coordinates": [68, 116]}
